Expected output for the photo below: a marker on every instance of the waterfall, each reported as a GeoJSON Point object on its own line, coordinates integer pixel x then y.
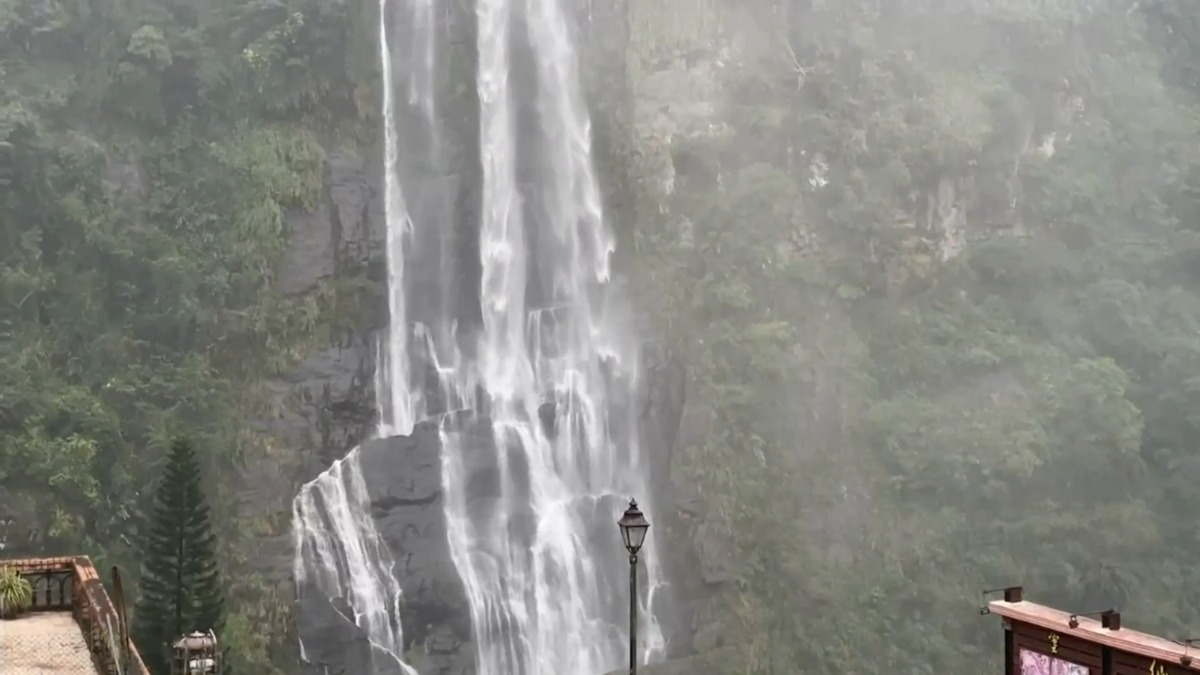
{"type": "Point", "coordinates": [549, 364]}
{"type": "Point", "coordinates": [396, 413]}
{"type": "Point", "coordinates": [541, 586]}
{"type": "Point", "coordinates": [339, 553]}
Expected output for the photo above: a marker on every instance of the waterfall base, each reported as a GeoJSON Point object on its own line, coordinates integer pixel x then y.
{"type": "Point", "coordinates": [403, 476]}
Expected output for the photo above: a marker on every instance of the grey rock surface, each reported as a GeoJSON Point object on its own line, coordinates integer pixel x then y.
{"type": "Point", "coordinates": [313, 414]}
{"type": "Point", "coordinates": [312, 250]}
{"type": "Point", "coordinates": [334, 645]}
{"type": "Point", "coordinates": [713, 663]}
{"type": "Point", "coordinates": [404, 481]}
{"type": "Point", "coordinates": [660, 408]}
{"type": "Point", "coordinates": [346, 227]}
{"type": "Point", "coordinates": [322, 408]}
{"type": "Point", "coordinates": [357, 206]}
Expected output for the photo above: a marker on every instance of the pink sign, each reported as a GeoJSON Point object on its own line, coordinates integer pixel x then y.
{"type": "Point", "coordinates": [1033, 663]}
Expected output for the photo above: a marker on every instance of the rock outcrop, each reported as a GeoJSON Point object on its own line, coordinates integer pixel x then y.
{"type": "Point", "coordinates": [346, 228]}
{"type": "Point", "coordinates": [404, 479]}
{"type": "Point", "coordinates": [403, 476]}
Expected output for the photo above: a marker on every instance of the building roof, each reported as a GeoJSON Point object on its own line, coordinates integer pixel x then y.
{"type": "Point", "coordinates": [1123, 639]}
{"type": "Point", "coordinates": [73, 626]}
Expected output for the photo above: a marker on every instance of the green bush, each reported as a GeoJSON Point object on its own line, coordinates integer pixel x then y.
{"type": "Point", "coordinates": [16, 593]}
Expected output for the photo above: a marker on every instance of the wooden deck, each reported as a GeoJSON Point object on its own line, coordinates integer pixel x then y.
{"type": "Point", "coordinates": [1091, 630]}
{"type": "Point", "coordinates": [44, 643]}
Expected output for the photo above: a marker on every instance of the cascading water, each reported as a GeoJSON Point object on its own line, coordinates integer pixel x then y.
{"type": "Point", "coordinates": [539, 583]}
{"type": "Point", "coordinates": [548, 368]}
{"type": "Point", "coordinates": [338, 550]}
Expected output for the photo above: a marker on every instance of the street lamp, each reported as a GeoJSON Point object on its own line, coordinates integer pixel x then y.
{"type": "Point", "coordinates": [633, 532]}
{"type": "Point", "coordinates": [196, 654]}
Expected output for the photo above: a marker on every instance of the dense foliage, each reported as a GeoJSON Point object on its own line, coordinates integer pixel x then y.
{"type": "Point", "coordinates": [902, 413]}
{"type": "Point", "coordinates": [900, 422]}
{"type": "Point", "coordinates": [181, 590]}
{"type": "Point", "coordinates": [149, 152]}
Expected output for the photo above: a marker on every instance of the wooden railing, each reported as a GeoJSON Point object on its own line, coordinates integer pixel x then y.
{"type": "Point", "coordinates": [72, 585]}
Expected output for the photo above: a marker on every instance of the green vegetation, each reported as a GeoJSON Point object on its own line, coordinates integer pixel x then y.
{"type": "Point", "coordinates": [181, 590]}
{"type": "Point", "coordinates": [16, 593]}
{"type": "Point", "coordinates": [148, 153]}
{"type": "Point", "coordinates": [893, 428]}
{"type": "Point", "coordinates": [893, 433]}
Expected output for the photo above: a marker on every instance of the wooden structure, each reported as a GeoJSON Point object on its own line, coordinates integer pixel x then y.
{"type": "Point", "coordinates": [1040, 640]}
{"type": "Point", "coordinates": [70, 587]}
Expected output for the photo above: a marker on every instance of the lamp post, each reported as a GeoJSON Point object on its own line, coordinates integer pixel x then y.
{"type": "Point", "coordinates": [633, 532]}
{"type": "Point", "coordinates": [196, 654]}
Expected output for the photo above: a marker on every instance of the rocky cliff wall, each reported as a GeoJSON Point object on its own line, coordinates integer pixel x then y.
{"type": "Point", "coordinates": [320, 409]}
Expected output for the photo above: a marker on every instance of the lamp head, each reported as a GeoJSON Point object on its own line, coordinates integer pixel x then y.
{"type": "Point", "coordinates": [633, 526]}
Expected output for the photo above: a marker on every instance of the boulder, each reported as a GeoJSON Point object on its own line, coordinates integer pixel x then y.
{"type": "Point", "coordinates": [403, 480]}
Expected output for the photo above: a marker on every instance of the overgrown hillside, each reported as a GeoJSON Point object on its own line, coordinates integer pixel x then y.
{"type": "Point", "coordinates": [150, 153]}
{"type": "Point", "coordinates": [934, 271]}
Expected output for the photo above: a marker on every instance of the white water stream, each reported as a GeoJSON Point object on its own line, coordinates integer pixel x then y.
{"type": "Point", "coordinates": [551, 366]}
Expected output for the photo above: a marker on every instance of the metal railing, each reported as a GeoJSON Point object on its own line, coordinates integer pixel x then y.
{"type": "Point", "coordinates": [53, 584]}
{"type": "Point", "coordinates": [71, 585]}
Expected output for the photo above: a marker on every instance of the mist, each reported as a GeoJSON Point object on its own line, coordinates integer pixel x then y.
{"type": "Point", "coordinates": [872, 305]}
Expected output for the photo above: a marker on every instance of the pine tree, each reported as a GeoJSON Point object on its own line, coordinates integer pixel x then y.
{"type": "Point", "coordinates": [180, 584]}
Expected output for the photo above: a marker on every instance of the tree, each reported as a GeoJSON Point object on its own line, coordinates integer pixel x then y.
{"type": "Point", "coordinates": [180, 585]}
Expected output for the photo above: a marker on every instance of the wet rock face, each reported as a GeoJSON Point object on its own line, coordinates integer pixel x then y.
{"type": "Point", "coordinates": [346, 227]}
{"type": "Point", "coordinates": [319, 410]}
{"type": "Point", "coordinates": [334, 645]}
{"type": "Point", "coordinates": [717, 662]}
{"type": "Point", "coordinates": [661, 397]}
{"type": "Point", "coordinates": [403, 477]}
